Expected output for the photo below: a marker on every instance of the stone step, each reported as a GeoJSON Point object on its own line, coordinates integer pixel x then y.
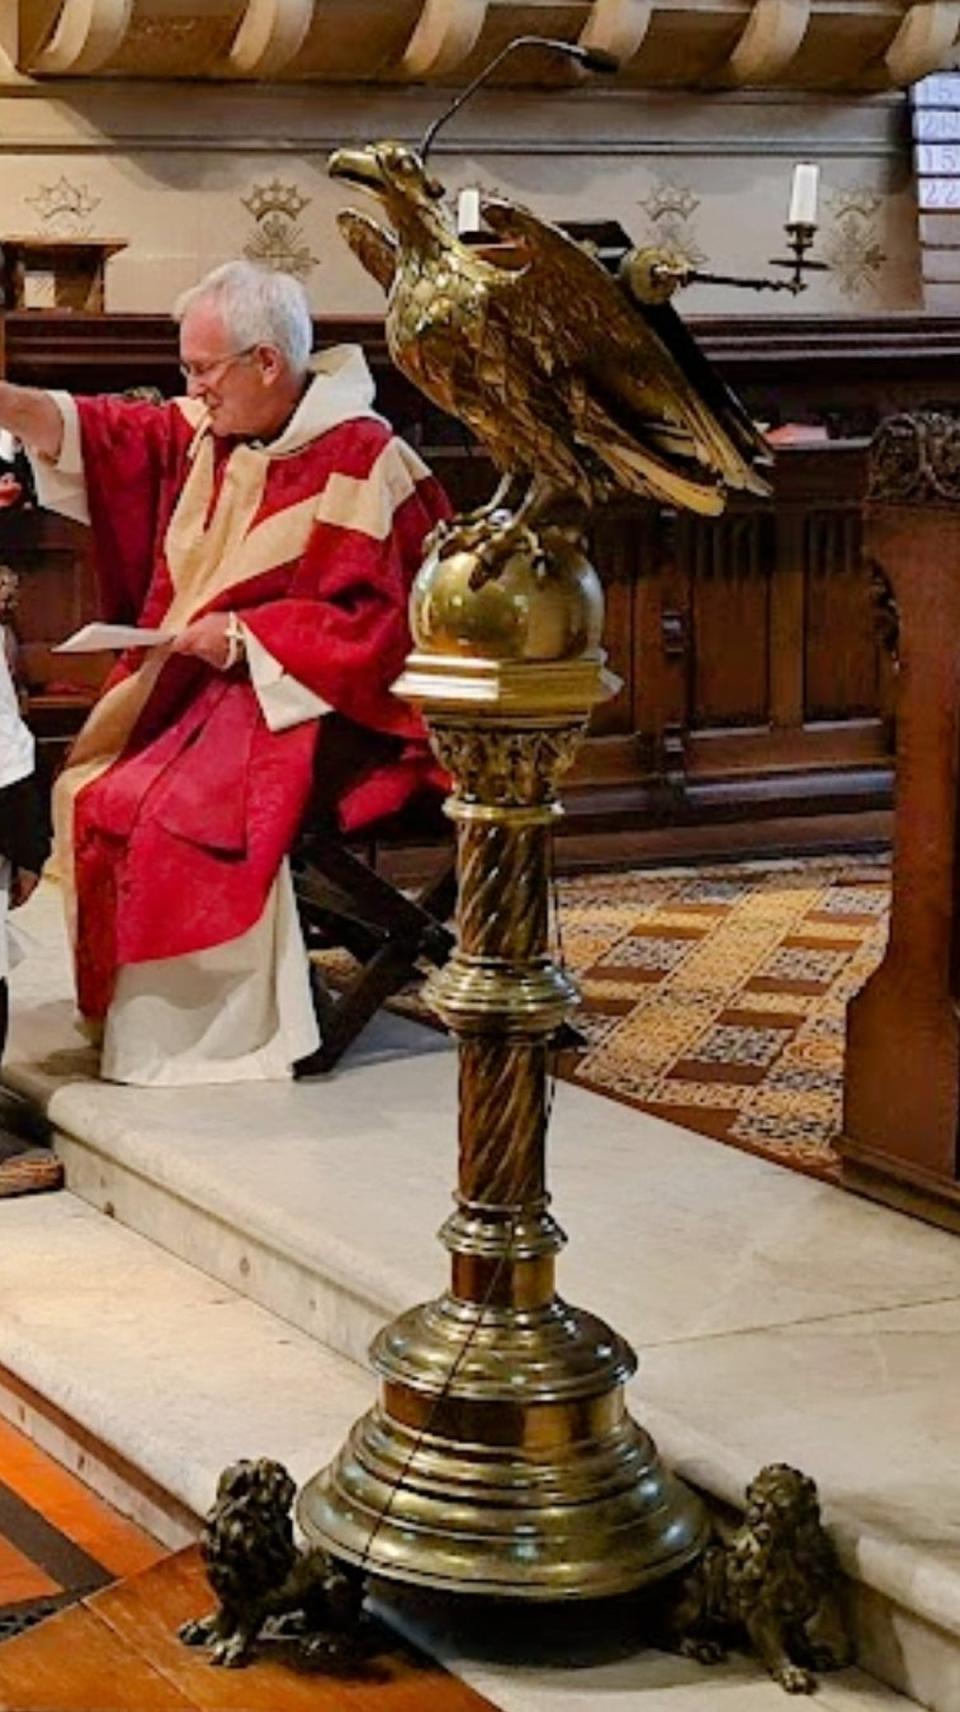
{"type": "Point", "coordinates": [146, 1377]}
{"type": "Point", "coordinates": [776, 1318]}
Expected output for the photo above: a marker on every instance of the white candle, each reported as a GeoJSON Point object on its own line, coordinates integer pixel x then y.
{"type": "Point", "coordinates": [468, 211]}
{"type": "Point", "coordinates": [803, 197]}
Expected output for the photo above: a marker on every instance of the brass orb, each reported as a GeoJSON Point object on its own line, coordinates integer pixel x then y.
{"type": "Point", "coordinates": [542, 602]}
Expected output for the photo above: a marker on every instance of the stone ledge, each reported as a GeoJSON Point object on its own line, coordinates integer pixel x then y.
{"type": "Point", "coordinates": [776, 1318]}
{"type": "Point", "coordinates": [140, 1353]}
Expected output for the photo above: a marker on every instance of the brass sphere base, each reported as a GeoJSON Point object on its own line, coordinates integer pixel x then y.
{"type": "Point", "coordinates": [525, 1479]}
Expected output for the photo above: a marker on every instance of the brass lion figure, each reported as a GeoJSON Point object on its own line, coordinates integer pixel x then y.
{"type": "Point", "coordinates": [257, 1572]}
{"type": "Point", "coordinates": [774, 1584]}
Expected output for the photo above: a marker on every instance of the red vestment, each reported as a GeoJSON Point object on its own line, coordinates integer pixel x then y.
{"type": "Point", "coordinates": [180, 801]}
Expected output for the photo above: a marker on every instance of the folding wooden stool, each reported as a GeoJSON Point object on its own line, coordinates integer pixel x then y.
{"type": "Point", "coordinates": [345, 900]}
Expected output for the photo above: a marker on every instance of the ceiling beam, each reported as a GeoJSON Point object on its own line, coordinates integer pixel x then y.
{"type": "Point", "coordinates": [617, 27]}
{"type": "Point", "coordinates": [771, 37]}
{"type": "Point", "coordinates": [923, 41]}
{"type": "Point", "coordinates": [434, 39]}
{"type": "Point", "coordinates": [446, 33]}
{"type": "Point", "coordinates": [85, 35]}
{"type": "Point", "coordinates": [269, 36]}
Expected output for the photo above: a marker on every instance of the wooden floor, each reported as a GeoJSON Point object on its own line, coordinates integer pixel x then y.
{"type": "Point", "coordinates": [117, 1651]}
{"type": "Point", "coordinates": [57, 1540]}
{"type": "Point", "coordinates": [103, 1602]}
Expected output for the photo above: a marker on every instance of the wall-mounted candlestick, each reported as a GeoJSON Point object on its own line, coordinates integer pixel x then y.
{"type": "Point", "coordinates": [468, 213]}
{"type": "Point", "coordinates": [803, 194]}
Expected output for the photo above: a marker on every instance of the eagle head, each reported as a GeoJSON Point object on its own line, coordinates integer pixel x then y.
{"type": "Point", "coordinates": [393, 172]}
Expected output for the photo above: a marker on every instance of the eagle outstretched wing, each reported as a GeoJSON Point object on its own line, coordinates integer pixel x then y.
{"type": "Point", "coordinates": [374, 247]}
{"type": "Point", "coordinates": [640, 393]}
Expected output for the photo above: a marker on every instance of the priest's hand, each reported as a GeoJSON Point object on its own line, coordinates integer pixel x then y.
{"type": "Point", "coordinates": [206, 639]}
{"type": "Point", "coordinates": [22, 886]}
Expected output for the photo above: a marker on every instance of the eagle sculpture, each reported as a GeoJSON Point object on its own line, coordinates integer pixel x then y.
{"type": "Point", "coordinates": [576, 389]}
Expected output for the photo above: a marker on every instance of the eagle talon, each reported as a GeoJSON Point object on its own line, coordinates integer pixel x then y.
{"type": "Point", "coordinates": [495, 550]}
{"type": "Point", "coordinates": [434, 540]}
{"type": "Point", "coordinates": [466, 534]}
{"type": "Point", "coordinates": [482, 514]}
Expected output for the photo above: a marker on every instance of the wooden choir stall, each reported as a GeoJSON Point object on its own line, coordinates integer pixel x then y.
{"type": "Point", "coordinates": [902, 1071]}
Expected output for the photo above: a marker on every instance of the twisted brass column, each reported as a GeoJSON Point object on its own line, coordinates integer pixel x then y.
{"type": "Point", "coordinates": [501, 1457]}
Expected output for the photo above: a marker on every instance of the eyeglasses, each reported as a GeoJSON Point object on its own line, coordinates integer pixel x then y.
{"type": "Point", "coordinates": [205, 371]}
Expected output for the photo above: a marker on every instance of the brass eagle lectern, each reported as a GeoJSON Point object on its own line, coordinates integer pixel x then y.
{"type": "Point", "coordinates": [501, 1458]}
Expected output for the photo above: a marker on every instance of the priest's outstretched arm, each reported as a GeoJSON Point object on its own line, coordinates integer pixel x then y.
{"type": "Point", "coordinates": [32, 415]}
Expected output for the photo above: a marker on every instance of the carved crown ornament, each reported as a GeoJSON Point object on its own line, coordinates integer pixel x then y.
{"type": "Point", "coordinates": [915, 460]}
{"type": "Point", "coordinates": [803, 44]}
{"type": "Point", "coordinates": [64, 207]}
{"type": "Point", "coordinates": [278, 240]}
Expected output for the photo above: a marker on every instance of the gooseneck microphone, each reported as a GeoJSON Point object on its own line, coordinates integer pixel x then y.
{"type": "Point", "coordinates": [592, 59]}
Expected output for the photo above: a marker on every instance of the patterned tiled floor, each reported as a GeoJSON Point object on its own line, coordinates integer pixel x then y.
{"type": "Point", "coordinates": [58, 1541]}
{"type": "Point", "coordinates": [717, 998]}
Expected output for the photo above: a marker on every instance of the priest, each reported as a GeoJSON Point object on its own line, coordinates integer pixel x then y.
{"type": "Point", "coordinates": [268, 524]}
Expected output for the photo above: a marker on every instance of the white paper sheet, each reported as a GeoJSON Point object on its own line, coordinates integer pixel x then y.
{"type": "Point", "coordinates": [92, 638]}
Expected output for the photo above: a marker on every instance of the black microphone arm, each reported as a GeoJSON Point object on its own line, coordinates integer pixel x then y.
{"type": "Point", "coordinates": [592, 59]}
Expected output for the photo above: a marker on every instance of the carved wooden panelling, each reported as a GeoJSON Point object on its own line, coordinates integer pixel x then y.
{"type": "Point", "coordinates": [753, 678]}
{"type": "Point", "coordinates": [844, 666]}
{"type": "Point", "coordinates": [729, 563]}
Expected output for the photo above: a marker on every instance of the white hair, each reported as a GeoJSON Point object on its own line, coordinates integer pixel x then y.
{"type": "Point", "coordinates": [259, 306]}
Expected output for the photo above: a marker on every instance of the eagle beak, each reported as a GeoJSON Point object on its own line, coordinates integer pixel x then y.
{"type": "Point", "coordinates": [358, 166]}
